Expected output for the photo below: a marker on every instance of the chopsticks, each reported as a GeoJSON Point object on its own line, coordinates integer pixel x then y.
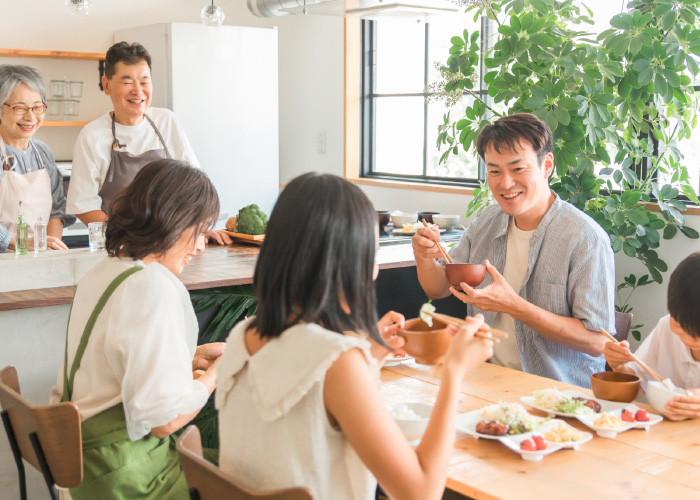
{"type": "Point", "coordinates": [484, 331]}
{"type": "Point", "coordinates": [636, 359]}
{"type": "Point", "coordinates": [445, 255]}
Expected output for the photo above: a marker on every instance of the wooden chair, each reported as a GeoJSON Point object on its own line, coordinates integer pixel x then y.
{"type": "Point", "coordinates": [623, 325]}
{"type": "Point", "coordinates": [207, 482]}
{"type": "Point", "coordinates": [48, 437]}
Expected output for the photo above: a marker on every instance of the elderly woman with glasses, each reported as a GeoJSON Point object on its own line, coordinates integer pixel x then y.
{"type": "Point", "coordinates": [29, 176]}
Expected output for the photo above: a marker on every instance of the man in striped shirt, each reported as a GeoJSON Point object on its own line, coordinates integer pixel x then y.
{"type": "Point", "coordinates": [550, 278]}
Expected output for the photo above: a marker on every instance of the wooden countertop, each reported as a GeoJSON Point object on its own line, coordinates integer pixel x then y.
{"type": "Point", "coordinates": [217, 266]}
{"type": "Point", "coordinates": [663, 462]}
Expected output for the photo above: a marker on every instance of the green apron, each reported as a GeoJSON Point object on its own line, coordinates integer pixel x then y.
{"type": "Point", "coordinates": [114, 466]}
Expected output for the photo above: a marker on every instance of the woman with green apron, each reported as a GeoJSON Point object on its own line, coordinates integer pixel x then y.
{"type": "Point", "coordinates": [131, 346]}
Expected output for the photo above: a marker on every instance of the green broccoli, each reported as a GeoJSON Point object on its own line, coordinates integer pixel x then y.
{"type": "Point", "coordinates": [251, 220]}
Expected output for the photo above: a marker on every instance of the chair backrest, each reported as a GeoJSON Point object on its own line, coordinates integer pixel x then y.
{"type": "Point", "coordinates": [212, 484]}
{"type": "Point", "coordinates": [57, 427]}
{"type": "Point", "coordinates": [623, 325]}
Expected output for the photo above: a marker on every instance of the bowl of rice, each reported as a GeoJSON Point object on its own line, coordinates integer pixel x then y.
{"type": "Point", "coordinates": [412, 418]}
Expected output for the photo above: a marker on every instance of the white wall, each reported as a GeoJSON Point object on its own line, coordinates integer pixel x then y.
{"type": "Point", "coordinates": [311, 96]}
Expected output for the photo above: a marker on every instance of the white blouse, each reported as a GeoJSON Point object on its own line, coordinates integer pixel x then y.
{"type": "Point", "coordinates": [141, 348]}
{"type": "Point", "coordinates": [273, 426]}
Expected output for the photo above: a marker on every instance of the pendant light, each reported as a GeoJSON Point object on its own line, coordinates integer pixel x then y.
{"type": "Point", "coordinates": [212, 15]}
{"type": "Point", "coordinates": [78, 7]}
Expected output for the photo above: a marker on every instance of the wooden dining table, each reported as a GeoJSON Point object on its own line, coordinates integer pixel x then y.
{"type": "Point", "coordinates": [658, 464]}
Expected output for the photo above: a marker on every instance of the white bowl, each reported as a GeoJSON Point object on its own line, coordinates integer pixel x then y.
{"type": "Point", "coordinates": [412, 428]}
{"type": "Point", "coordinates": [447, 222]}
{"type": "Point", "coordinates": [658, 395]}
{"type": "Point", "coordinates": [400, 218]}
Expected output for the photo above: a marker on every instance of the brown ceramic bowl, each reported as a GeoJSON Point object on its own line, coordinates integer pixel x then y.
{"type": "Point", "coordinates": [427, 344]}
{"type": "Point", "coordinates": [428, 216]}
{"type": "Point", "coordinates": [615, 386]}
{"type": "Point", "coordinates": [471, 274]}
{"type": "Point", "coordinates": [383, 216]}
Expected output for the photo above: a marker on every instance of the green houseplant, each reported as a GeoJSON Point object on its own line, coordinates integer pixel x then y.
{"type": "Point", "coordinates": [617, 104]}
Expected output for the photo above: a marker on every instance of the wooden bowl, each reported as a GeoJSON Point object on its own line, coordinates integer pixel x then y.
{"type": "Point", "coordinates": [427, 344]}
{"type": "Point", "coordinates": [615, 386]}
{"type": "Point", "coordinates": [471, 274]}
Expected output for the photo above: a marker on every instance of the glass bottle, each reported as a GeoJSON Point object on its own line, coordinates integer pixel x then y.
{"type": "Point", "coordinates": [40, 235]}
{"type": "Point", "coordinates": [21, 234]}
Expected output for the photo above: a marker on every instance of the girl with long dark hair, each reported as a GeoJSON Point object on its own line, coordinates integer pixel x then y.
{"type": "Point", "coordinates": [298, 384]}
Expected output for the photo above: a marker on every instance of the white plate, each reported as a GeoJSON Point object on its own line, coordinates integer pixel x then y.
{"type": "Point", "coordinates": [401, 232]}
{"type": "Point", "coordinates": [653, 418]}
{"type": "Point", "coordinates": [393, 361]}
{"type": "Point", "coordinates": [605, 406]}
{"type": "Point", "coordinates": [586, 436]}
{"type": "Point", "coordinates": [513, 442]}
{"type": "Point", "coordinates": [605, 431]}
{"type": "Point", "coordinates": [466, 423]}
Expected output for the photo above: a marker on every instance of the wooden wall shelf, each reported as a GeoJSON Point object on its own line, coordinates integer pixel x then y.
{"type": "Point", "coordinates": [52, 54]}
{"type": "Point", "coordinates": [64, 124]}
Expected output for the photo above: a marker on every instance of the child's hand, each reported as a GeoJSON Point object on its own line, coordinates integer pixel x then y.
{"type": "Point", "coordinates": [684, 407]}
{"type": "Point", "coordinates": [466, 351]}
{"type": "Point", "coordinates": [617, 354]}
{"type": "Point", "coordinates": [388, 326]}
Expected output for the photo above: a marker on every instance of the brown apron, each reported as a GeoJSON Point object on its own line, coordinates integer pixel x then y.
{"type": "Point", "coordinates": [124, 166]}
{"type": "Point", "coordinates": [33, 189]}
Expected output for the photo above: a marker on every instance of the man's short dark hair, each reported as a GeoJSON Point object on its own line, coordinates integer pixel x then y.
{"type": "Point", "coordinates": [127, 53]}
{"type": "Point", "coordinates": [684, 294]}
{"type": "Point", "coordinates": [508, 132]}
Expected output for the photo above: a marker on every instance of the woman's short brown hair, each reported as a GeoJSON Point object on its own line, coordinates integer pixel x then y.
{"type": "Point", "coordinates": [166, 198]}
{"type": "Point", "coordinates": [127, 53]}
{"type": "Point", "coordinates": [508, 131]}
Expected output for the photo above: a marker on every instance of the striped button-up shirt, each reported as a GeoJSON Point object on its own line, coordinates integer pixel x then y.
{"type": "Point", "coordinates": [571, 272]}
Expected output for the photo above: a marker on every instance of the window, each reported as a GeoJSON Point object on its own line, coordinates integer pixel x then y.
{"type": "Point", "coordinates": [400, 128]}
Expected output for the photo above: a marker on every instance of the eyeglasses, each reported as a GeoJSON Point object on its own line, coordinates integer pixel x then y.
{"type": "Point", "coordinates": [38, 110]}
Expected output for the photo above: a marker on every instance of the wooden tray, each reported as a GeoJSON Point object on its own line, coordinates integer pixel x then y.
{"type": "Point", "coordinates": [255, 239]}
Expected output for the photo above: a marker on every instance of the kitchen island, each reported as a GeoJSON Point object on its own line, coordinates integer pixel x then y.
{"type": "Point", "coordinates": [36, 292]}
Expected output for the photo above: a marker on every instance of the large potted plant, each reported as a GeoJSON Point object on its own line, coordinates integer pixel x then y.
{"type": "Point", "coordinates": [617, 104]}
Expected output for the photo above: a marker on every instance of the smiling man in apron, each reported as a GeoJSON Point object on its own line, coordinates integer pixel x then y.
{"type": "Point", "coordinates": [29, 175]}
{"type": "Point", "coordinates": [112, 149]}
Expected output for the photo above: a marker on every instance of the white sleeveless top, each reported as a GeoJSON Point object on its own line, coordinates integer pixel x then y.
{"type": "Point", "coordinates": [272, 420]}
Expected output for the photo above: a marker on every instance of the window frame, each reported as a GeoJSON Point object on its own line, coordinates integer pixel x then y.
{"type": "Point", "coordinates": [368, 98]}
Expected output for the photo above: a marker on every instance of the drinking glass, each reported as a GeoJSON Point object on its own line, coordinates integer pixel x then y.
{"type": "Point", "coordinates": [96, 236]}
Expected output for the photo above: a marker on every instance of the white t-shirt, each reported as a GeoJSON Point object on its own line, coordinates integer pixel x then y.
{"type": "Point", "coordinates": [505, 353]}
{"type": "Point", "coordinates": [93, 149]}
{"type": "Point", "coordinates": [272, 420]}
{"type": "Point", "coordinates": [141, 348]}
{"type": "Point", "coordinates": [664, 351]}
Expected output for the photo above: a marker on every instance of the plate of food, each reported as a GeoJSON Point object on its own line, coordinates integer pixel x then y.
{"type": "Point", "coordinates": [498, 420]}
{"type": "Point", "coordinates": [410, 229]}
{"type": "Point", "coordinates": [607, 424]}
{"type": "Point", "coordinates": [569, 403]}
{"type": "Point", "coordinates": [642, 418]}
{"type": "Point", "coordinates": [395, 359]}
{"type": "Point", "coordinates": [558, 431]}
{"type": "Point", "coordinates": [530, 446]}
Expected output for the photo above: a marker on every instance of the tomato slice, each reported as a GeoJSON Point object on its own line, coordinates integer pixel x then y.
{"type": "Point", "coordinates": [627, 416]}
{"type": "Point", "coordinates": [642, 416]}
{"type": "Point", "coordinates": [528, 445]}
{"type": "Point", "coordinates": [539, 442]}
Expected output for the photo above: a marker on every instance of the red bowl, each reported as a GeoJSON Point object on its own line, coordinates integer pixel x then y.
{"type": "Point", "coordinates": [428, 344]}
{"type": "Point", "coordinates": [471, 274]}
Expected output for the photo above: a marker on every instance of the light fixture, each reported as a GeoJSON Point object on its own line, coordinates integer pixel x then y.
{"type": "Point", "coordinates": [78, 7]}
{"type": "Point", "coordinates": [212, 15]}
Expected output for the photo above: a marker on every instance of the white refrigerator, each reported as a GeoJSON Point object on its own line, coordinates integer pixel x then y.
{"type": "Point", "coordinates": [222, 84]}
